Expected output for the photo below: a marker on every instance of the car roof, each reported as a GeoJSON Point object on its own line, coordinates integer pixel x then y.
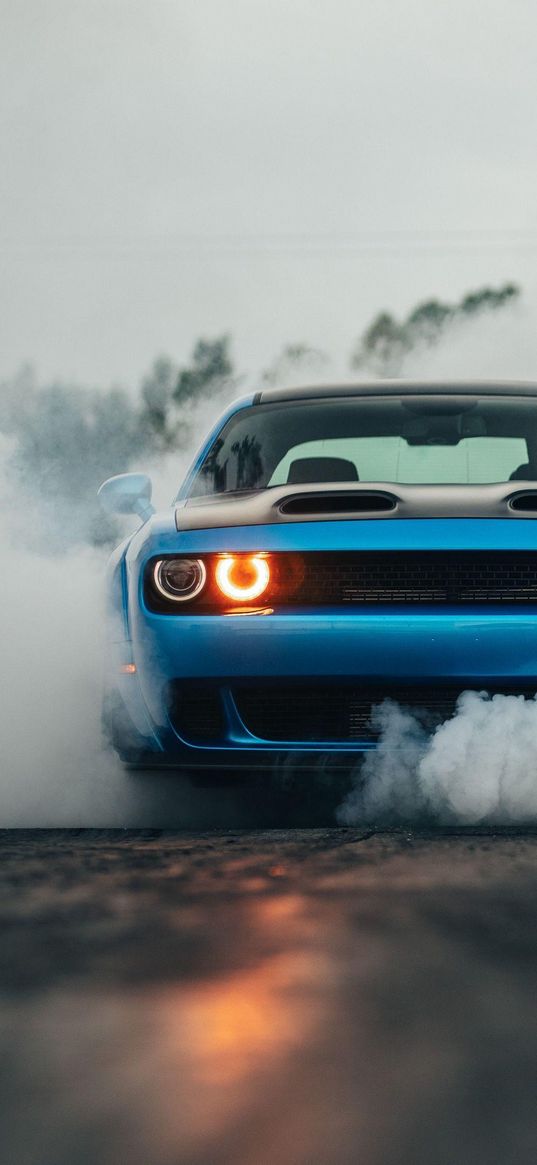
{"type": "Point", "coordinates": [399, 388]}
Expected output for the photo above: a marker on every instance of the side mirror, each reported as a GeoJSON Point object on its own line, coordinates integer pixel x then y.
{"type": "Point", "coordinates": [127, 493]}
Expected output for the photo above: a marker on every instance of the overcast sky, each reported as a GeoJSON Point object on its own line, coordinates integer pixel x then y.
{"type": "Point", "coordinates": [277, 168]}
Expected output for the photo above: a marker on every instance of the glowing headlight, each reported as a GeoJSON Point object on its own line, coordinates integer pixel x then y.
{"type": "Point", "coordinates": [180, 578]}
{"type": "Point", "coordinates": [242, 578]}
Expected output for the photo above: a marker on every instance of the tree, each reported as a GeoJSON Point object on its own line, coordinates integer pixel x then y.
{"type": "Point", "coordinates": [385, 344]}
{"type": "Point", "coordinates": [210, 369]}
{"type": "Point", "coordinates": [382, 346]}
{"type": "Point", "coordinates": [158, 425]}
{"type": "Point", "coordinates": [488, 299]}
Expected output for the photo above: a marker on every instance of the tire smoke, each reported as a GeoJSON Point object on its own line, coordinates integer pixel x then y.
{"type": "Point", "coordinates": [478, 767]}
{"type": "Point", "coordinates": [55, 767]}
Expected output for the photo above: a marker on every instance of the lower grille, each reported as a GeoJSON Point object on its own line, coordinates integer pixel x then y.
{"type": "Point", "coordinates": [314, 712]}
{"type": "Point", "coordinates": [318, 712]}
{"type": "Point", "coordinates": [195, 710]}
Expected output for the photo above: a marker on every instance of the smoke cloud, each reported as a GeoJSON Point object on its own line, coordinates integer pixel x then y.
{"type": "Point", "coordinates": [55, 768]}
{"type": "Point", "coordinates": [478, 767]}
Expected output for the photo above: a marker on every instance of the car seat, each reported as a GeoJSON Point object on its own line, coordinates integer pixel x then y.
{"type": "Point", "coordinates": [319, 469]}
{"type": "Point", "coordinates": [524, 472]}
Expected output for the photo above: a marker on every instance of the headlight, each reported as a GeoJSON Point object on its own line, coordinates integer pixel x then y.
{"type": "Point", "coordinates": [179, 578]}
{"type": "Point", "coordinates": [242, 578]}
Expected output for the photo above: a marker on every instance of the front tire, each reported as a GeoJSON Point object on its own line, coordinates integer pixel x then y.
{"type": "Point", "coordinates": [120, 732]}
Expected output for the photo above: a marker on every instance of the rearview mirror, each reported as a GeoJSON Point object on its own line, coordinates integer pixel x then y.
{"type": "Point", "coordinates": [443, 430]}
{"type": "Point", "coordinates": [127, 493]}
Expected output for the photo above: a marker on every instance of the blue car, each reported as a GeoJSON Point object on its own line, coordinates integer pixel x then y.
{"type": "Point", "coordinates": [330, 547]}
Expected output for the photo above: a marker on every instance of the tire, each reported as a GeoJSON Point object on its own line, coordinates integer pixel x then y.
{"type": "Point", "coordinates": [119, 731]}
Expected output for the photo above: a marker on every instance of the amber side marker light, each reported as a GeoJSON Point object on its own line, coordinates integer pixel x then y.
{"type": "Point", "coordinates": [242, 578]}
{"type": "Point", "coordinates": [128, 669]}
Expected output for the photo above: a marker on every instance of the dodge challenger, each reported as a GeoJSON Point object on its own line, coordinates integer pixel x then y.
{"type": "Point", "coordinates": [330, 547]}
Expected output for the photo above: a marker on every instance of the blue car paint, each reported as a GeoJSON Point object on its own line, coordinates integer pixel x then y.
{"type": "Point", "coordinates": [472, 647]}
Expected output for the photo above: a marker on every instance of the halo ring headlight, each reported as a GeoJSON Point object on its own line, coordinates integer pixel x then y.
{"type": "Point", "coordinates": [242, 578]}
{"type": "Point", "coordinates": [179, 579]}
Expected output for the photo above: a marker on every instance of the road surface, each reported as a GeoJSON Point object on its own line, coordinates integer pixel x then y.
{"type": "Point", "coordinates": [309, 997]}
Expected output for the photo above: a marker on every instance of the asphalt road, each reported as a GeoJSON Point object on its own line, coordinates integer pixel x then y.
{"type": "Point", "coordinates": [318, 997]}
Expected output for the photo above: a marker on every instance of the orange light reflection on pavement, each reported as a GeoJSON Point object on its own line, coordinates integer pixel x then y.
{"type": "Point", "coordinates": [230, 1025]}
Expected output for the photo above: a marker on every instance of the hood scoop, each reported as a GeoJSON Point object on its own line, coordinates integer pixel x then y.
{"type": "Point", "coordinates": [345, 502]}
{"type": "Point", "coordinates": [525, 502]}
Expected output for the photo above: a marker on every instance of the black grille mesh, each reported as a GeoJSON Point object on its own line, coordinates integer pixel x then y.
{"type": "Point", "coordinates": [424, 576]}
{"type": "Point", "coordinates": [196, 710]}
{"type": "Point", "coordinates": [339, 712]}
{"type": "Point", "coordinates": [311, 711]}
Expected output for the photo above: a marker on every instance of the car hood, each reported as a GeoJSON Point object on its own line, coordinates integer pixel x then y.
{"type": "Point", "coordinates": [363, 500]}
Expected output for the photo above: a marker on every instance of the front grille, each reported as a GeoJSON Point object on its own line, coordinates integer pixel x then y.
{"type": "Point", "coordinates": [418, 577]}
{"type": "Point", "coordinates": [357, 578]}
{"type": "Point", "coordinates": [322, 711]}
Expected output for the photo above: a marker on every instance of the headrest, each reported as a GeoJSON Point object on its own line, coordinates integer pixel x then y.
{"type": "Point", "coordinates": [317, 469]}
{"type": "Point", "coordinates": [524, 472]}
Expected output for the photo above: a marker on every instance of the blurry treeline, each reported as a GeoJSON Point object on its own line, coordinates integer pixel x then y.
{"type": "Point", "coordinates": [62, 441]}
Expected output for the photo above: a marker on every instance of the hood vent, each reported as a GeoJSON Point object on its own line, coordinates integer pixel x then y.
{"type": "Point", "coordinates": [524, 502]}
{"type": "Point", "coordinates": [349, 502]}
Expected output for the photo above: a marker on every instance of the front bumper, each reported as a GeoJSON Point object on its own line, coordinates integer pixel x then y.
{"type": "Point", "coordinates": [471, 649]}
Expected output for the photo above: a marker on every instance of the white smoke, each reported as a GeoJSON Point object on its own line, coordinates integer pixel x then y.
{"type": "Point", "coordinates": [55, 768]}
{"type": "Point", "coordinates": [478, 767]}
{"type": "Point", "coordinates": [50, 745]}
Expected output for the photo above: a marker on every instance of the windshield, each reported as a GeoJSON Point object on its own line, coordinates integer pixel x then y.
{"type": "Point", "coordinates": [416, 439]}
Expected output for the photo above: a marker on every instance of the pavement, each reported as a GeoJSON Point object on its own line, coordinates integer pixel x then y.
{"type": "Point", "coordinates": [268, 997]}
